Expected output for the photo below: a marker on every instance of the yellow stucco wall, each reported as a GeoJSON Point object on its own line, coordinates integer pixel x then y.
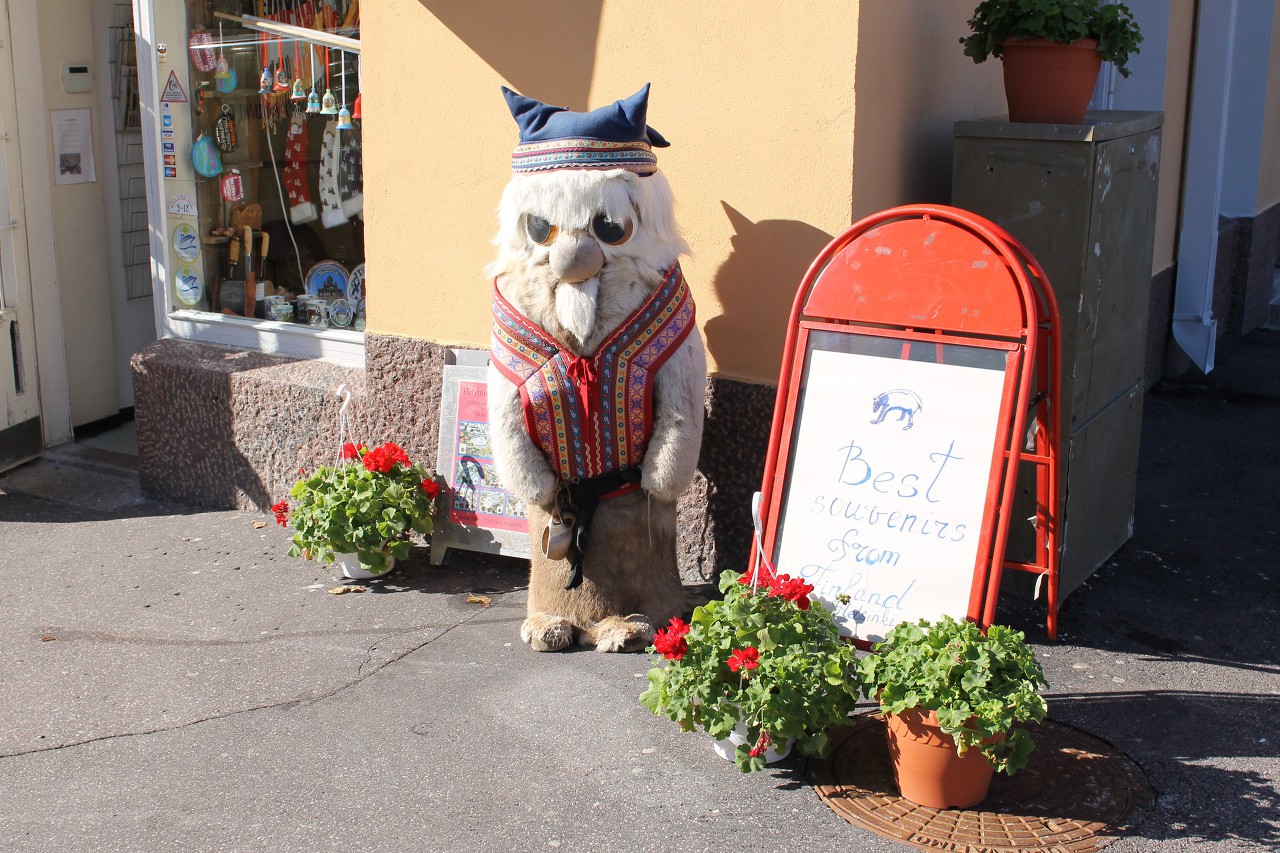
{"type": "Point", "coordinates": [773, 151]}
{"type": "Point", "coordinates": [914, 82]}
{"type": "Point", "coordinates": [1177, 83]}
{"type": "Point", "coordinates": [79, 222]}
{"type": "Point", "coordinates": [756, 99]}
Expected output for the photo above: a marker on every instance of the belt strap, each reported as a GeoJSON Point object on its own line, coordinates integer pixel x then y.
{"type": "Point", "coordinates": [584, 496]}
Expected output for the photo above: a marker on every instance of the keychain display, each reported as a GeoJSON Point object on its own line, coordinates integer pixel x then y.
{"type": "Point", "coordinates": [226, 84]}
{"type": "Point", "coordinates": [201, 48]}
{"type": "Point", "coordinates": [204, 157]}
{"type": "Point", "coordinates": [223, 72]}
{"type": "Point", "coordinates": [224, 131]}
{"type": "Point", "coordinates": [232, 186]}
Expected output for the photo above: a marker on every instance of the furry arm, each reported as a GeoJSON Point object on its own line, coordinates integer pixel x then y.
{"type": "Point", "coordinates": [679, 393]}
{"type": "Point", "coordinates": [521, 465]}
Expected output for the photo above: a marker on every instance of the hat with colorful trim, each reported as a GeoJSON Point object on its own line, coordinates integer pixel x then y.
{"type": "Point", "coordinates": [612, 137]}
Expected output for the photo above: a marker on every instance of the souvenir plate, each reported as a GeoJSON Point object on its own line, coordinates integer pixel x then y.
{"type": "Point", "coordinates": [328, 280]}
{"type": "Point", "coordinates": [188, 285]}
{"type": "Point", "coordinates": [355, 284]}
{"type": "Point", "coordinates": [340, 313]}
{"type": "Point", "coordinates": [186, 243]}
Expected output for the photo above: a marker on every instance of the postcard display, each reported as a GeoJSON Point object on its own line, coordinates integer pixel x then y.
{"type": "Point", "coordinates": [261, 147]}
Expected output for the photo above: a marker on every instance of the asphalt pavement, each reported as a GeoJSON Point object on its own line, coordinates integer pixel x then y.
{"type": "Point", "coordinates": [173, 681]}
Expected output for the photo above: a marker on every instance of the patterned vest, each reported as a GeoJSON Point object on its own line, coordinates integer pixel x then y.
{"type": "Point", "coordinates": [593, 416]}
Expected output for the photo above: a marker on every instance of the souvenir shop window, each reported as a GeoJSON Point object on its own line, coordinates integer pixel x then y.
{"type": "Point", "coordinates": [276, 150]}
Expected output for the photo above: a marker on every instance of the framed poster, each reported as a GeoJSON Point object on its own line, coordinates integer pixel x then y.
{"type": "Point", "coordinates": [481, 514]}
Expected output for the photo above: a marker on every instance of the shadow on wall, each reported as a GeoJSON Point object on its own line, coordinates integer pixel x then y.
{"type": "Point", "coordinates": [545, 50]}
{"type": "Point", "coordinates": [755, 287]}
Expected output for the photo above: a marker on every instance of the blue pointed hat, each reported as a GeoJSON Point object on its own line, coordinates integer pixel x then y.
{"type": "Point", "coordinates": [612, 137]}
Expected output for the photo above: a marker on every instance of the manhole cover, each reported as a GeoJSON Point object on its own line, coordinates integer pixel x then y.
{"type": "Point", "coordinates": [1077, 794]}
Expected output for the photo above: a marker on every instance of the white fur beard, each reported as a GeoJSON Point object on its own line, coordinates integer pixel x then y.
{"type": "Point", "coordinates": [576, 306]}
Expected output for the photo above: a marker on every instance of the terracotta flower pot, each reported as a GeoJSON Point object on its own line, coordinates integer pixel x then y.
{"type": "Point", "coordinates": [1049, 82]}
{"type": "Point", "coordinates": [926, 766]}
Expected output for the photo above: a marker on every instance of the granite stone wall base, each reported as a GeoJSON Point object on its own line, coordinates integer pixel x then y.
{"type": "Point", "coordinates": [1257, 244]}
{"type": "Point", "coordinates": [228, 428]}
{"type": "Point", "coordinates": [715, 530]}
{"type": "Point", "coordinates": [1243, 280]}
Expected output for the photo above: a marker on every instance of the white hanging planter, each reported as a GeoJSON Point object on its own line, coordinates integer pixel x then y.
{"type": "Point", "coordinates": [349, 565]}
{"type": "Point", "coordinates": [727, 748]}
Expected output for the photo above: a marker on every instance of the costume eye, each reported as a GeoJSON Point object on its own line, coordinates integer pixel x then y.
{"type": "Point", "coordinates": [540, 230]}
{"type": "Point", "coordinates": [608, 231]}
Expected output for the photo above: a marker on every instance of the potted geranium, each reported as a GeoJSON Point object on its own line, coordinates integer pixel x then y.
{"type": "Point", "coordinates": [360, 511]}
{"type": "Point", "coordinates": [1052, 51]}
{"type": "Point", "coordinates": [952, 696]}
{"type": "Point", "coordinates": [756, 670]}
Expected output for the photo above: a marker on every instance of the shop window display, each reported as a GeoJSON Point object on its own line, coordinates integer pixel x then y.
{"type": "Point", "coordinates": [275, 146]}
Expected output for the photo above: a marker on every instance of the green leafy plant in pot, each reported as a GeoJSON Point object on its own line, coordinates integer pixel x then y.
{"type": "Point", "coordinates": [952, 697]}
{"type": "Point", "coordinates": [1052, 51]}
{"type": "Point", "coordinates": [764, 663]}
{"type": "Point", "coordinates": [365, 505]}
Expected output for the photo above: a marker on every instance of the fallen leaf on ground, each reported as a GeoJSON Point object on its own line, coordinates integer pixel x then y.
{"type": "Point", "coordinates": [48, 638]}
{"type": "Point", "coordinates": [258, 525]}
{"type": "Point", "coordinates": [342, 590]}
{"type": "Point", "coordinates": [482, 600]}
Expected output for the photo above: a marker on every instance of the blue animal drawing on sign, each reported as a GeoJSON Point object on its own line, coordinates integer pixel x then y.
{"type": "Point", "coordinates": [901, 400]}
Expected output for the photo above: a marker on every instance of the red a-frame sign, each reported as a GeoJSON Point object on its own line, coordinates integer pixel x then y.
{"type": "Point", "coordinates": [920, 371]}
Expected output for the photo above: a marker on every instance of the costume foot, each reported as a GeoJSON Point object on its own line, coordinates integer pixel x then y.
{"type": "Point", "coordinates": [546, 633]}
{"type": "Point", "coordinates": [631, 633]}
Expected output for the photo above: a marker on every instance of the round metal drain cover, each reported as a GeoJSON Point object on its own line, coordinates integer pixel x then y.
{"type": "Point", "coordinates": [1077, 794]}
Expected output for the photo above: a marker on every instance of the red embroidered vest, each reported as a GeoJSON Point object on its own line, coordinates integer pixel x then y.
{"type": "Point", "coordinates": [594, 415]}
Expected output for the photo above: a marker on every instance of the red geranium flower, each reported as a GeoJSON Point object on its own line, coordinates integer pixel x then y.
{"type": "Point", "coordinates": [744, 659]}
{"type": "Point", "coordinates": [766, 575]}
{"type": "Point", "coordinates": [431, 487]}
{"type": "Point", "coordinates": [383, 459]}
{"type": "Point", "coordinates": [792, 589]}
{"type": "Point", "coordinates": [281, 510]}
{"type": "Point", "coordinates": [669, 642]}
{"type": "Point", "coordinates": [762, 743]}
{"type": "Point", "coordinates": [352, 451]}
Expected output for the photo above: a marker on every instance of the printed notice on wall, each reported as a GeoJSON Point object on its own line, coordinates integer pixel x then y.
{"type": "Point", "coordinates": [888, 483]}
{"type": "Point", "coordinates": [72, 146]}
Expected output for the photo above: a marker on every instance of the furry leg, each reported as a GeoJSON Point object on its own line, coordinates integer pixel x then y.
{"type": "Point", "coordinates": [546, 633]}
{"type": "Point", "coordinates": [631, 633]}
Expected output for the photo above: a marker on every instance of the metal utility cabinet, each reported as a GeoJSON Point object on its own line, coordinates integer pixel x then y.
{"type": "Point", "coordinates": [1082, 199]}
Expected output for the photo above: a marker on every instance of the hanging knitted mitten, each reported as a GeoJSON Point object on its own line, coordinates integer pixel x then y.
{"type": "Point", "coordinates": [331, 214]}
{"type": "Point", "coordinates": [351, 176]}
{"type": "Point", "coordinates": [301, 208]}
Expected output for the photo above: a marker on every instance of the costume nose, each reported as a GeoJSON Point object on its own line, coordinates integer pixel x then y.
{"type": "Point", "coordinates": [576, 257]}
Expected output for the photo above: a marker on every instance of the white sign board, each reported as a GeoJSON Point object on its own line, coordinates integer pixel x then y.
{"type": "Point", "coordinates": [890, 468]}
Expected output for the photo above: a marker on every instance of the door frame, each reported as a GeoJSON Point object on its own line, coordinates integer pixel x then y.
{"type": "Point", "coordinates": [32, 182]}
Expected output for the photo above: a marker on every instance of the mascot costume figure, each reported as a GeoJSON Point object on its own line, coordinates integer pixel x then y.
{"type": "Point", "coordinates": [598, 372]}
